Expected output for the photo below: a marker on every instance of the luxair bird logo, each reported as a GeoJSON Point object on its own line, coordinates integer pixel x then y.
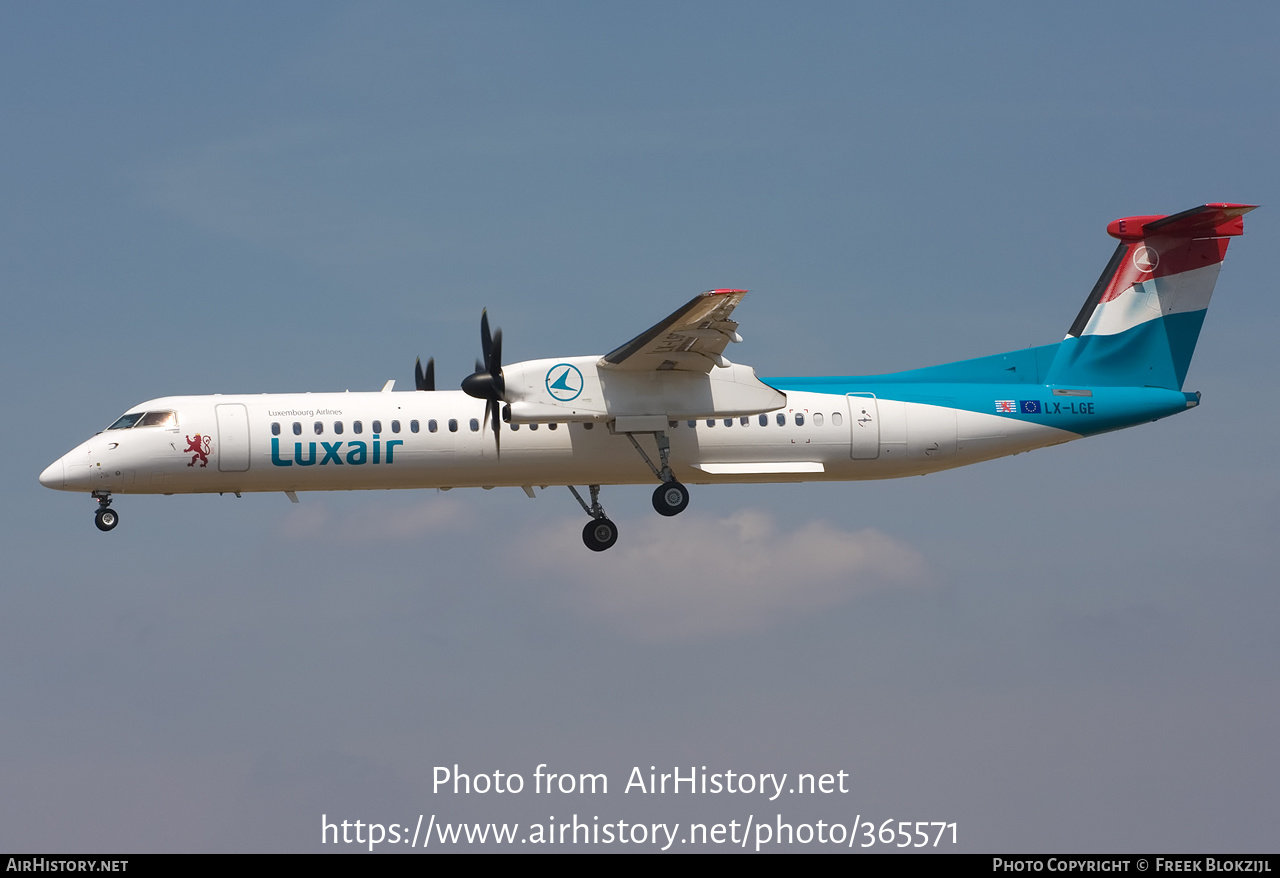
{"type": "Point", "coordinates": [564, 382]}
{"type": "Point", "coordinates": [199, 449]}
{"type": "Point", "coordinates": [1145, 259]}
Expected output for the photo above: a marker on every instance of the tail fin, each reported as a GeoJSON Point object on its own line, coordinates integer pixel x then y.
{"type": "Point", "coordinates": [1140, 324]}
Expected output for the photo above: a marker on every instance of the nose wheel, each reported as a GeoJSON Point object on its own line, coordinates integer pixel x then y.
{"type": "Point", "coordinates": [105, 518]}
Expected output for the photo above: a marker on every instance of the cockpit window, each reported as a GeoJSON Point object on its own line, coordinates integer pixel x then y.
{"type": "Point", "coordinates": [126, 421]}
{"type": "Point", "coordinates": [146, 419]}
{"type": "Point", "coordinates": [158, 419]}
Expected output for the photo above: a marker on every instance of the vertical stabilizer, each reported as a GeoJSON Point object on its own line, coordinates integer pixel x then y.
{"type": "Point", "coordinates": [1139, 326]}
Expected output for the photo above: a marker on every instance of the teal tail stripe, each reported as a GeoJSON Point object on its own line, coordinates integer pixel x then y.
{"type": "Point", "coordinates": [1153, 354]}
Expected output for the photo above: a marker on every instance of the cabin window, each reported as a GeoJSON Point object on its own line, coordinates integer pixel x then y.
{"type": "Point", "coordinates": [475, 425]}
{"type": "Point", "coordinates": [319, 428]}
{"type": "Point", "coordinates": [337, 427]}
{"type": "Point", "coordinates": [728, 422]}
{"type": "Point", "coordinates": [515, 427]}
{"type": "Point", "coordinates": [744, 421]}
{"type": "Point", "coordinates": [126, 421]}
{"type": "Point", "coordinates": [453, 425]}
{"type": "Point", "coordinates": [693, 423]}
{"type": "Point", "coordinates": [395, 426]}
{"type": "Point", "coordinates": [413, 426]}
{"type": "Point", "coordinates": [588, 426]}
{"type": "Point", "coordinates": [297, 428]}
{"type": "Point", "coordinates": [552, 425]}
{"type": "Point", "coordinates": [275, 428]}
{"type": "Point", "coordinates": [159, 419]}
{"type": "Point", "coordinates": [711, 422]}
{"type": "Point", "coordinates": [782, 419]}
{"type": "Point", "coordinates": [817, 419]}
{"type": "Point", "coordinates": [377, 426]}
{"type": "Point", "coordinates": [799, 419]}
{"type": "Point", "coordinates": [357, 426]}
{"type": "Point", "coordinates": [533, 426]}
{"type": "Point", "coordinates": [764, 420]}
{"type": "Point", "coordinates": [432, 425]}
{"type": "Point", "coordinates": [836, 419]}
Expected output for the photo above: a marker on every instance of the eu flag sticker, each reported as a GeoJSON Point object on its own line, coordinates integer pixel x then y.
{"type": "Point", "coordinates": [1029, 406]}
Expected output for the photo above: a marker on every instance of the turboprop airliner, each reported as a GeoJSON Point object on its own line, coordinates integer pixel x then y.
{"type": "Point", "coordinates": [668, 408]}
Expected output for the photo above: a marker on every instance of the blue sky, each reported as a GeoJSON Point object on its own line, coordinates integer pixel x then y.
{"type": "Point", "coordinates": [1067, 650]}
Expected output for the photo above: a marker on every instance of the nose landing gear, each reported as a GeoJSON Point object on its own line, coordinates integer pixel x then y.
{"type": "Point", "coordinates": [105, 518]}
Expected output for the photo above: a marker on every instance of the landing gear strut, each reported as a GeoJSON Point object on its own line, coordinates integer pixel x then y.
{"type": "Point", "coordinates": [105, 518]}
{"type": "Point", "coordinates": [600, 533]}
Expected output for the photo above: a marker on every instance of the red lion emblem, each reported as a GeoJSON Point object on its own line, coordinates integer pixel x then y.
{"type": "Point", "coordinates": [200, 448]}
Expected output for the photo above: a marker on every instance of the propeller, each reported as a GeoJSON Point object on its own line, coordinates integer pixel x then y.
{"type": "Point", "coordinates": [486, 382]}
{"type": "Point", "coordinates": [425, 380]}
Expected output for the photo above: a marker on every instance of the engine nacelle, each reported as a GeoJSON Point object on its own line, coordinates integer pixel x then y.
{"type": "Point", "coordinates": [580, 389]}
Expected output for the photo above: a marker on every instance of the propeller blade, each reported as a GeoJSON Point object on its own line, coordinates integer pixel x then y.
{"type": "Point", "coordinates": [495, 366]}
{"type": "Point", "coordinates": [486, 382]}
{"type": "Point", "coordinates": [497, 430]}
{"type": "Point", "coordinates": [427, 380]}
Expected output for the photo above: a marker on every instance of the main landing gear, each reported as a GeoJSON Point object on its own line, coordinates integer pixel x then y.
{"type": "Point", "coordinates": [669, 498]}
{"type": "Point", "coordinates": [600, 533]}
{"type": "Point", "coordinates": [105, 518]}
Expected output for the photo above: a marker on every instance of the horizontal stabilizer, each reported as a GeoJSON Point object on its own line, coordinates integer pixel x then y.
{"type": "Point", "coordinates": [1205, 221]}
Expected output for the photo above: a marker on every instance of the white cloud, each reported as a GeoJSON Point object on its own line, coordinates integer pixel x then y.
{"type": "Point", "coordinates": [681, 578]}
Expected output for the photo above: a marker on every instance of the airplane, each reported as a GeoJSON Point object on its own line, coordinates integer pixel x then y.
{"type": "Point", "coordinates": [669, 408]}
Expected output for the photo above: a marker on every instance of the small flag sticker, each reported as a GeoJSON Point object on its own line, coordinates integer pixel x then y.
{"type": "Point", "coordinates": [1030, 406]}
{"type": "Point", "coordinates": [1005, 407]}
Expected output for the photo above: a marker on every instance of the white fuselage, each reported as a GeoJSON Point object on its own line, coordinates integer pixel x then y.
{"type": "Point", "coordinates": [359, 441]}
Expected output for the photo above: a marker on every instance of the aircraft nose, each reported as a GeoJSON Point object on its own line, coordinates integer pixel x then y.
{"type": "Point", "coordinates": [55, 475]}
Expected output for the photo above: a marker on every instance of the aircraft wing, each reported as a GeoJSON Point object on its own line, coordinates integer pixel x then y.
{"type": "Point", "coordinates": [692, 339]}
